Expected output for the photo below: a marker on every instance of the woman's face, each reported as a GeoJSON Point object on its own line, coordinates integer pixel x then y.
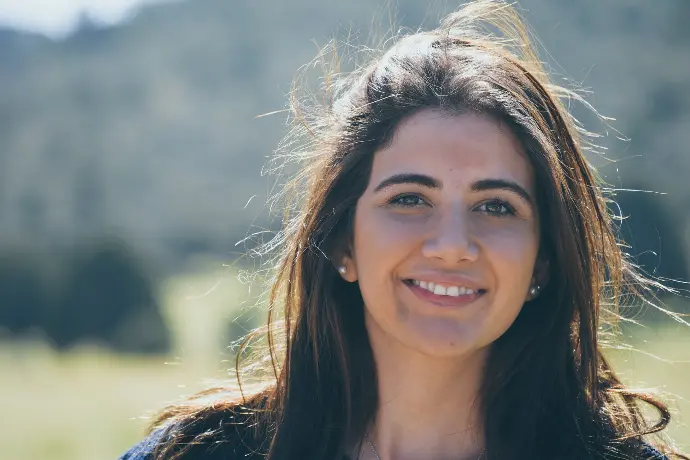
{"type": "Point", "coordinates": [446, 234]}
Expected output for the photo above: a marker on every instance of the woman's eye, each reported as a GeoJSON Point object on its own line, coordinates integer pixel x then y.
{"type": "Point", "coordinates": [408, 201]}
{"type": "Point", "coordinates": [497, 208]}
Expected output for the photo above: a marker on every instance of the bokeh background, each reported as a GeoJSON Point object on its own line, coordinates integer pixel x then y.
{"type": "Point", "coordinates": [131, 156]}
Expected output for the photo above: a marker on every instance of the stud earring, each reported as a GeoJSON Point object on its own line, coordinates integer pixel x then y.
{"type": "Point", "coordinates": [342, 269]}
{"type": "Point", "coordinates": [534, 290]}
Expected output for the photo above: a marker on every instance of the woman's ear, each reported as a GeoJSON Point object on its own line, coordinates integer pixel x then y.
{"type": "Point", "coordinates": [346, 266]}
{"type": "Point", "coordinates": [540, 278]}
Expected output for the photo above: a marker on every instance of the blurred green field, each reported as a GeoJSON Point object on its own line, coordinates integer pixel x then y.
{"type": "Point", "coordinates": [90, 404]}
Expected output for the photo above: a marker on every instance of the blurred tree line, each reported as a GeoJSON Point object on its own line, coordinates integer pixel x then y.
{"type": "Point", "coordinates": [96, 292]}
{"type": "Point", "coordinates": [148, 131]}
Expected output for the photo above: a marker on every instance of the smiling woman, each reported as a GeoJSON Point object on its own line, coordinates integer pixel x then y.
{"type": "Point", "coordinates": [456, 218]}
{"type": "Point", "coordinates": [442, 283]}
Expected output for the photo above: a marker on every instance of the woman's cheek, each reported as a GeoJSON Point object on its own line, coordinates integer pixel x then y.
{"type": "Point", "coordinates": [515, 240]}
{"type": "Point", "coordinates": [394, 227]}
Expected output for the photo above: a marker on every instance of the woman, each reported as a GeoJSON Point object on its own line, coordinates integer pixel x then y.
{"type": "Point", "coordinates": [443, 279]}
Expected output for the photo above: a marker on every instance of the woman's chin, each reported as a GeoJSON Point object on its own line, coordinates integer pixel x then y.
{"type": "Point", "coordinates": [440, 345]}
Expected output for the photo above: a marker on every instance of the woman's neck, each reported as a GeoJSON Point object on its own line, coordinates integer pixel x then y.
{"type": "Point", "coordinates": [428, 407]}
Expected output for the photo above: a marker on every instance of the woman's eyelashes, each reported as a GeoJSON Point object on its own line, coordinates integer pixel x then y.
{"type": "Point", "coordinates": [494, 207]}
{"type": "Point", "coordinates": [408, 200]}
{"type": "Point", "coordinates": [497, 207]}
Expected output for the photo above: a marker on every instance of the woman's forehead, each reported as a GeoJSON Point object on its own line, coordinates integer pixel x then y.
{"type": "Point", "coordinates": [454, 147]}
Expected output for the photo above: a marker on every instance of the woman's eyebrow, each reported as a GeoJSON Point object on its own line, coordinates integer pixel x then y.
{"type": "Point", "coordinates": [503, 184]}
{"type": "Point", "coordinates": [430, 182]}
{"type": "Point", "coordinates": [408, 178]}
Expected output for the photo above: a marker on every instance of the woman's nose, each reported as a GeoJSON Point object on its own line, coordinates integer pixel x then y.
{"type": "Point", "coordinates": [451, 238]}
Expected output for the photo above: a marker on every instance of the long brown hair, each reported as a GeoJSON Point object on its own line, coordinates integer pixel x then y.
{"type": "Point", "coordinates": [547, 390]}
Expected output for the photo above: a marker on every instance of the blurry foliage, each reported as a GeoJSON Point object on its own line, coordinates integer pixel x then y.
{"type": "Point", "coordinates": [23, 294]}
{"type": "Point", "coordinates": [647, 224]}
{"type": "Point", "coordinates": [102, 294]}
{"type": "Point", "coordinates": [148, 131]}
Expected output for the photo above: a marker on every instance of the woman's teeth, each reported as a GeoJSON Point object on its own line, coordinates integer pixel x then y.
{"type": "Point", "coordinates": [453, 291]}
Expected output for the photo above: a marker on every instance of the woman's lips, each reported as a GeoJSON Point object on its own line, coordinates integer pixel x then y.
{"type": "Point", "coordinates": [443, 300]}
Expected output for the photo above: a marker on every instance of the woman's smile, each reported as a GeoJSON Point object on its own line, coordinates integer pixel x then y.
{"type": "Point", "coordinates": [443, 295]}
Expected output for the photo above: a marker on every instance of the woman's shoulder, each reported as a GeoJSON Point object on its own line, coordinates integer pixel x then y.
{"type": "Point", "coordinates": [651, 453]}
{"type": "Point", "coordinates": [196, 441]}
{"type": "Point", "coordinates": [215, 431]}
{"type": "Point", "coordinates": [144, 450]}
{"type": "Point", "coordinates": [634, 450]}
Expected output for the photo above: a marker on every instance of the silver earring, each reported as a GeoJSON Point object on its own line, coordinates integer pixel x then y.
{"type": "Point", "coordinates": [534, 290]}
{"type": "Point", "coordinates": [342, 269]}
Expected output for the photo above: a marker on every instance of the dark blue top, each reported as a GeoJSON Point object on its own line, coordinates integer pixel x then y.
{"type": "Point", "coordinates": [144, 450]}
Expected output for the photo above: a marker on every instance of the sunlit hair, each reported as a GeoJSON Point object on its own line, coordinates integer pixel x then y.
{"type": "Point", "coordinates": [547, 390]}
